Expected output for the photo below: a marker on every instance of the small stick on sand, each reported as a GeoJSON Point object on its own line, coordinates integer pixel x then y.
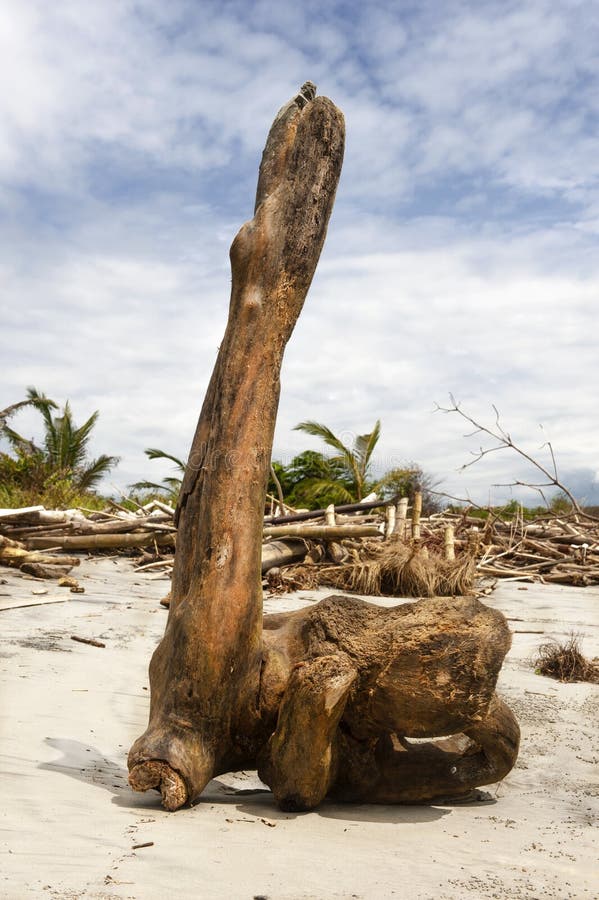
{"type": "Point", "coordinates": [89, 641]}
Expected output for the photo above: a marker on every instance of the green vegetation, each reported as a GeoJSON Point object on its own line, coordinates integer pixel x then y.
{"type": "Point", "coordinates": [314, 480]}
{"type": "Point", "coordinates": [347, 475]}
{"type": "Point", "coordinates": [57, 472]}
{"type": "Point", "coordinates": [170, 487]}
{"type": "Point", "coordinates": [311, 480]}
{"type": "Point", "coordinates": [559, 506]}
{"type": "Point", "coordinates": [405, 481]}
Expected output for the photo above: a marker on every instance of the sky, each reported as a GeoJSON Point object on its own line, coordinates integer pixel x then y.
{"type": "Point", "coordinates": [461, 255]}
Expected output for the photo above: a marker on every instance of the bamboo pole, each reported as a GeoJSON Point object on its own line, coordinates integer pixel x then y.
{"type": "Point", "coordinates": [323, 532]}
{"type": "Point", "coordinates": [389, 522]}
{"type": "Point", "coordinates": [416, 512]}
{"type": "Point", "coordinates": [401, 514]}
{"type": "Point", "coordinates": [317, 513]}
{"type": "Point", "coordinates": [449, 543]}
{"type": "Point", "coordinates": [101, 541]}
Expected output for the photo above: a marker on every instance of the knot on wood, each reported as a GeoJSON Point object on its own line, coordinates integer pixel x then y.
{"type": "Point", "coordinates": [307, 93]}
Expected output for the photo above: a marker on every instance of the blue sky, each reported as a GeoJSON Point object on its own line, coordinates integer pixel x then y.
{"type": "Point", "coordinates": [461, 256]}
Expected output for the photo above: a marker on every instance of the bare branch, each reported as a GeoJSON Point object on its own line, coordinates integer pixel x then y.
{"type": "Point", "coordinates": [470, 503]}
{"type": "Point", "coordinates": [505, 442]}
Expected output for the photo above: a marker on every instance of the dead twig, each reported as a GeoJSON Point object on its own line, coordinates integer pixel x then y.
{"type": "Point", "coordinates": [90, 641]}
{"type": "Point", "coordinates": [504, 441]}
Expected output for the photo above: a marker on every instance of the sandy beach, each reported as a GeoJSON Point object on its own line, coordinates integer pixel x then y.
{"type": "Point", "coordinates": [70, 823]}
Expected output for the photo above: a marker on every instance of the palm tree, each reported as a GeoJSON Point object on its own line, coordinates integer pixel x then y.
{"type": "Point", "coordinates": [64, 449]}
{"type": "Point", "coordinates": [5, 414]}
{"type": "Point", "coordinates": [352, 462]}
{"type": "Point", "coordinates": [311, 480]}
{"type": "Point", "coordinates": [170, 485]}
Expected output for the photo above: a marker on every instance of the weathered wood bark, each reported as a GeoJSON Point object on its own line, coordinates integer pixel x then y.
{"type": "Point", "coordinates": [40, 571]}
{"type": "Point", "coordinates": [205, 674]}
{"type": "Point", "coordinates": [322, 700]}
{"type": "Point", "coordinates": [349, 682]}
{"type": "Point", "coordinates": [282, 553]}
{"type": "Point", "coordinates": [13, 553]}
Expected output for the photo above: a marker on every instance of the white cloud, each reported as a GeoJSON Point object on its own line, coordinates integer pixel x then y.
{"type": "Point", "coordinates": [461, 255]}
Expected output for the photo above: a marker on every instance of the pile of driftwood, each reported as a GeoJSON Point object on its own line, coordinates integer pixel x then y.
{"type": "Point", "coordinates": [40, 542]}
{"type": "Point", "coordinates": [369, 548]}
{"type": "Point", "coordinates": [372, 547]}
{"type": "Point", "coordinates": [441, 554]}
{"type": "Point", "coordinates": [549, 549]}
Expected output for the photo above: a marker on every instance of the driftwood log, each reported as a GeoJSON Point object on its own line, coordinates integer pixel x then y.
{"type": "Point", "coordinates": [325, 700]}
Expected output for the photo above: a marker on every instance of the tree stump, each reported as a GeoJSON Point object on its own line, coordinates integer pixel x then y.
{"type": "Point", "coordinates": [324, 700]}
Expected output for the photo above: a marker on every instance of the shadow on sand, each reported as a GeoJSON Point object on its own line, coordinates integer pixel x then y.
{"type": "Point", "coordinates": [86, 764]}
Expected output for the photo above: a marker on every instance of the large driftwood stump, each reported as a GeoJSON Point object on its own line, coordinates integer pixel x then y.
{"type": "Point", "coordinates": [322, 701]}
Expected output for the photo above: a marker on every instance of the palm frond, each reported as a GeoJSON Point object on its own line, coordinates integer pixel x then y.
{"type": "Point", "coordinates": [313, 489]}
{"type": "Point", "coordinates": [11, 410]}
{"type": "Point", "coordinates": [365, 444]}
{"type": "Point", "coordinates": [80, 437]}
{"type": "Point", "coordinates": [155, 453]}
{"type": "Point", "coordinates": [170, 488]}
{"type": "Point", "coordinates": [65, 455]}
{"type": "Point", "coordinates": [42, 403]}
{"type": "Point", "coordinates": [149, 486]}
{"type": "Point", "coordinates": [316, 429]}
{"type": "Point", "coordinates": [52, 438]}
{"type": "Point", "coordinates": [173, 480]}
{"type": "Point", "coordinates": [88, 477]}
{"type": "Point", "coordinates": [18, 442]}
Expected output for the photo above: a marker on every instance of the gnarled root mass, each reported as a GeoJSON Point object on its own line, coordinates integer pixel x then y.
{"type": "Point", "coordinates": [345, 688]}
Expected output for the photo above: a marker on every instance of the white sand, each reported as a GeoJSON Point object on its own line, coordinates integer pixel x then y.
{"type": "Point", "coordinates": [69, 821]}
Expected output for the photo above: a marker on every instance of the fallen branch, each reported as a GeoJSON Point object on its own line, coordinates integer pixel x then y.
{"type": "Point", "coordinates": [320, 513]}
{"type": "Point", "coordinates": [103, 541]}
{"type": "Point", "coordinates": [323, 532]}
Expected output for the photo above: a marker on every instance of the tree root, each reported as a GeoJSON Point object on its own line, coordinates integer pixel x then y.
{"type": "Point", "coordinates": [157, 774]}
{"type": "Point", "coordinates": [299, 762]}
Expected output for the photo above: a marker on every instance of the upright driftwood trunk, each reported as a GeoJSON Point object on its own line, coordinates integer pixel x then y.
{"type": "Point", "coordinates": [205, 673]}
{"type": "Point", "coordinates": [323, 700]}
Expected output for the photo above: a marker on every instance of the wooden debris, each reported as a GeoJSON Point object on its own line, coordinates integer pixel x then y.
{"type": "Point", "coordinates": [15, 554]}
{"type": "Point", "coordinates": [103, 541]}
{"type": "Point", "coordinates": [90, 641]}
{"type": "Point", "coordinates": [282, 552]}
{"type": "Point", "coordinates": [73, 584]}
{"type": "Point", "coordinates": [318, 513]}
{"type": "Point", "coordinates": [40, 571]}
{"type": "Point", "coordinates": [31, 601]}
{"type": "Point", "coordinates": [416, 515]}
{"type": "Point", "coordinates": [551, 549]}
{"type": "Point", "coordinates": [323, 532]}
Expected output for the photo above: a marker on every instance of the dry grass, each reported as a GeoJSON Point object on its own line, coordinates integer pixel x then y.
{"type": "Point", "coordinates": [565, 661]}
{"type": "Point", "coordinates": [390, 569]}
{"type": "Point", "coordinates": [301, 577]}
